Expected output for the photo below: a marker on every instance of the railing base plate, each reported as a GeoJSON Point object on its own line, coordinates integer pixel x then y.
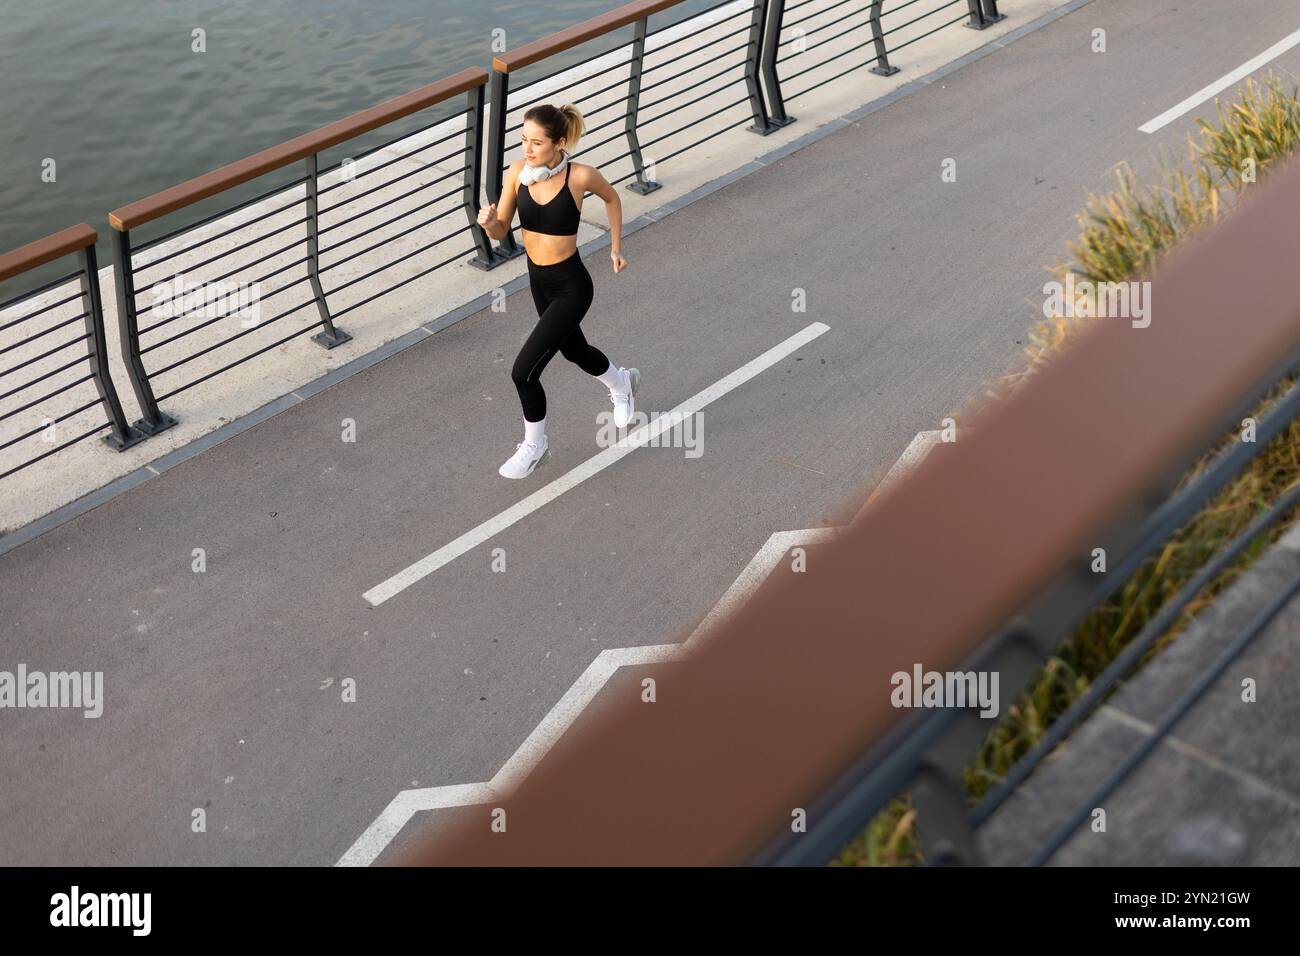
{"type": "Point", "coordinates": [133, 437]}
{"type": "Point", "coordinates": [499, 256]}
{"type": "Point", "coordinates": [987, 22]}
{"type": "Point", "coordinates": [886, 71]}
{"type": "Point", "coordinates": [642, 188]}
{"type": "Point", "coordinates": [772, 126]}
{"type": "Point", "coordinates": [165, 422]}
{"type": "Point", "coordinates": [331, 341]}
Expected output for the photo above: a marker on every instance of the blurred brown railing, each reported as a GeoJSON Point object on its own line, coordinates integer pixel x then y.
{"type": "Point", "coordinates": [979, 560]}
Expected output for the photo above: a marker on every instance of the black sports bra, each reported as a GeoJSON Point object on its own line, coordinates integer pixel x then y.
{"type": "Point", "coordinates": [559, 217]}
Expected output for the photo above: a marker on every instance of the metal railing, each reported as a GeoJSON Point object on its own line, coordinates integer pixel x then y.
{"type": "Point", "coordinates": [36, 361]}
{"type": "Point", "coordinates": [979, 561]}
{"type": "Point", "coordinates": [888, 27]}
{"type": "Point", "coordinates": [306, 243]}
{"type": "Point", "coordinates": [300, 235]}
{"type": "Point", "coordinates": [736, 42]}
{"type": "Point", "coordinates": [752, 33]}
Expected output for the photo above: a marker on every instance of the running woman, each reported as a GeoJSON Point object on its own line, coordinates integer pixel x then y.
{"type": "Point", "coordinates": [549, 190]}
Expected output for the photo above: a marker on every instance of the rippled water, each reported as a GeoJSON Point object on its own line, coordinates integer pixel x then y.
{"type": "Point", "coordinates": [113, 93]}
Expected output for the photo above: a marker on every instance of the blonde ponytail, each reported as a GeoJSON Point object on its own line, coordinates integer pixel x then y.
{"type": "Point", "coordinates": [576, 125]}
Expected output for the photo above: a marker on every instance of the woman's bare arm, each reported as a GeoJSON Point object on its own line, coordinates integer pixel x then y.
{"type": "Point", "coordinates": [591, 180]}
{"type": "Point", "coordinates": [496, 218]}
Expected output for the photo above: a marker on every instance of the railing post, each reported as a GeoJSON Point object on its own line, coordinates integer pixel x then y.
{"type": "Point", "coordinates": [154, 420]}
{"type": "Point", "coordinates": [753, 59]}
{"type": "Point", "coordinates": [471, 196]}
{"type": "Point", "coordinates": [771, 82]}
{"type": "Point", "coordinates": [639, 185]}
{"type": "Point", "coordinates": [882, 67]}
{"type": "Point", "coordinates": [942, 827]}
{"type": "Point", "coordinates": [123, 435]}
{"type": "Point", "coordinates": [330, 337]}
{"type": "Point", "coordinates": [507, 248]}
{"type": "Point", "coordinates": [981, 18]}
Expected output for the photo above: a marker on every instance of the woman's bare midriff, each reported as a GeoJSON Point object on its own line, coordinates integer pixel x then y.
{"type": "Point", "coordinates": [546, 250]}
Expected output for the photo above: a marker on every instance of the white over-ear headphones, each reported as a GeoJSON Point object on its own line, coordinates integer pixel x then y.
{"type": "Point", "coordinates": [539, 174]}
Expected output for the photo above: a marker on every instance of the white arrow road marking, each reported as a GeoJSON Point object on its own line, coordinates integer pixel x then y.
{"type": "Point", "coordinates": [912, 456]}
{"type": "Point", "coordinates": [406, 804]}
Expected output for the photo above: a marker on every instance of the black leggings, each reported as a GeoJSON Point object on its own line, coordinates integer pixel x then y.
{"type": "Point", "coordinates": [562, 292]}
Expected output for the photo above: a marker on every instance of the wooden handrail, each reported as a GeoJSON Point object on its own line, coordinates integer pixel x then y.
{"type": "Point", "coordinates": [268, 160]}
{"type": "Point", "coordinates": [52, 247]}
{"type": "Point", "coordinates": [795, 685]}
{"type": "Point", "coordinates": [546, 46]}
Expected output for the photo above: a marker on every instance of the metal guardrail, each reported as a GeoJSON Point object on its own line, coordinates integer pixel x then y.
{"type": "Point", "coordinates": [90, 346]}
{"type": "Point", "coordinates": [762, 26]}
{"type": "Point", "coordinates": [630, 89]}
{"type": "Point", "coordinates": [752, 46]}
{"type": "Point", "coordinates": [883, 38]}
{"type": "Point", "coordinates": [980, 560]}
{"type": "Point", "coordinates": [304, 149]}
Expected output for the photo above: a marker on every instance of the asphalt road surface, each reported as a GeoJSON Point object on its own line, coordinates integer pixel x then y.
{"type": "Point", "coordinates": [224, 690]}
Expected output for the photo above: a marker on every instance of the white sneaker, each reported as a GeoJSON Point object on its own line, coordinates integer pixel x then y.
{"type": "Point", "coordinates": [527, 457]}
{"type": "Point", "coordinates": [624, 402]}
